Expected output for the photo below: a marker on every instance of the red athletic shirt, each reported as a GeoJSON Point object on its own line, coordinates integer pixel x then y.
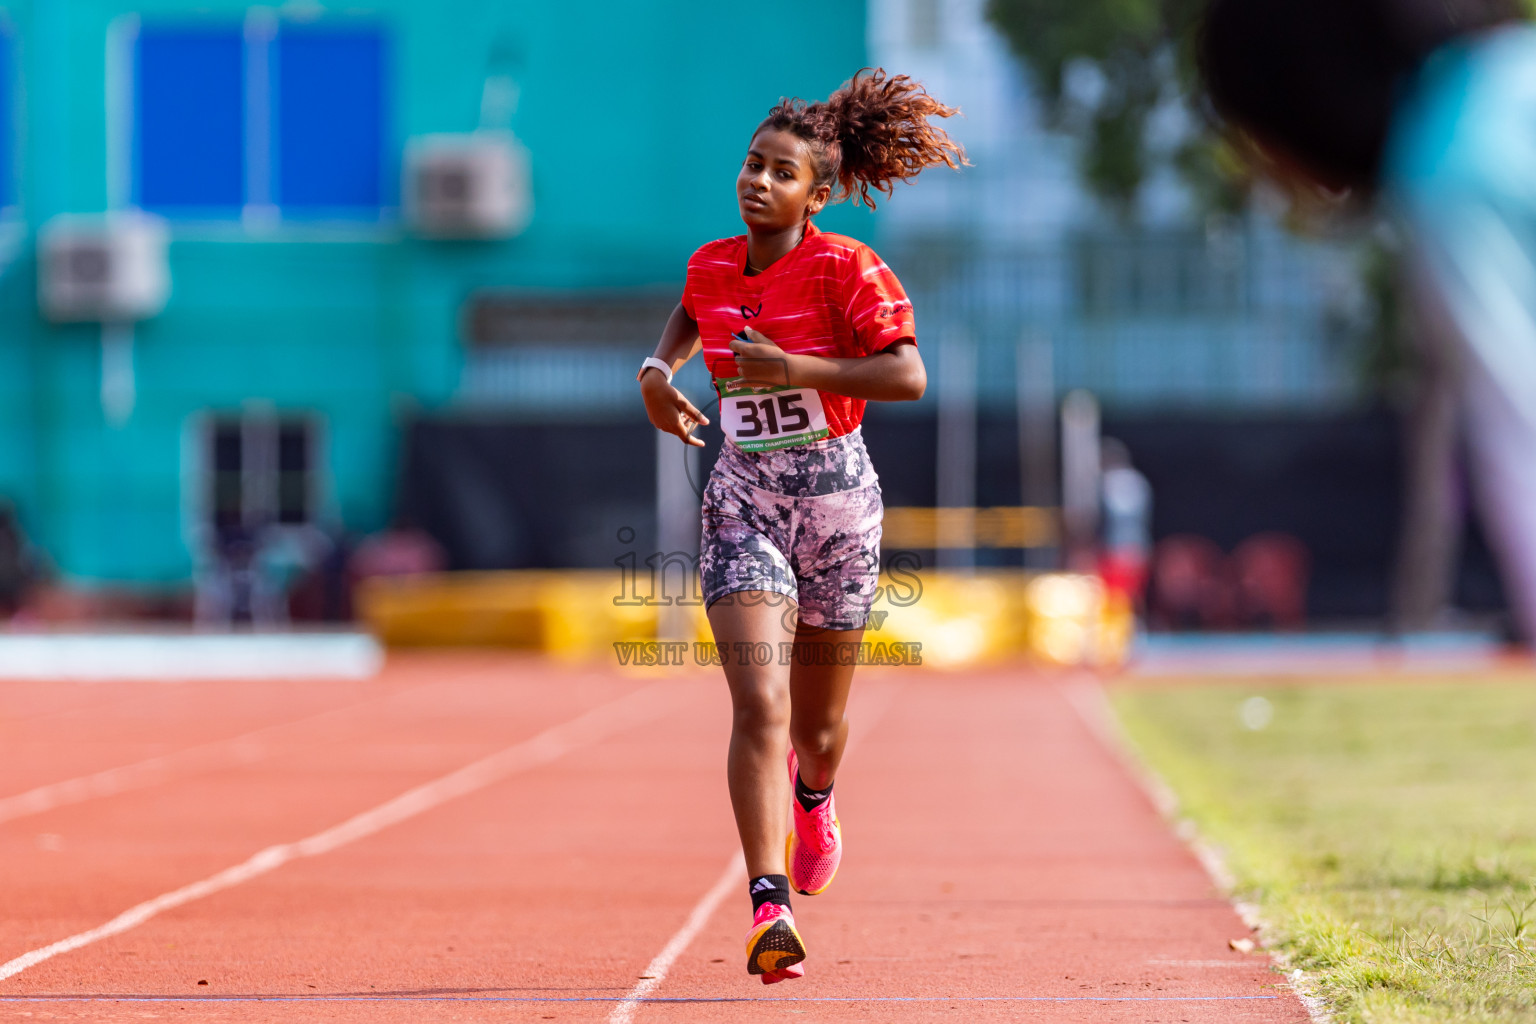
{"type": "Point", "coordinates": [830, 295]}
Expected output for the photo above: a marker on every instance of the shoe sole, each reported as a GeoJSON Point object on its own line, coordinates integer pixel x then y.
{"type": "Point", "coordinates": [774, 948]}
{"type": "Point", "coordinates": [789, 865]}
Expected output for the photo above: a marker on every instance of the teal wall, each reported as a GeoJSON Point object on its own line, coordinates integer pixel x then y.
{"type": "Point", "coordinates": [636, 115]}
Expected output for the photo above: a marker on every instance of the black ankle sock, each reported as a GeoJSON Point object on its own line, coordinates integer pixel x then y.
{"type": "Point", "coordinates": [809, 799]}
{"type": "Point", "coordinates": [768, 889]}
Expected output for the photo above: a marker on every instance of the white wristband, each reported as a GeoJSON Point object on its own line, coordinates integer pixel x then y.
{"type": "Point", "coordinates": [652, 362]}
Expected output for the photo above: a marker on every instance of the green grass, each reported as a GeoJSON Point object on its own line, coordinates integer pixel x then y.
{"type": "Point", "coordinates": [1386, 831]}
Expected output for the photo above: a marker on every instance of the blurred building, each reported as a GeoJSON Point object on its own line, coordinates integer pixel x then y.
{"type": "Point", "coordinates": [333, 356]}
{"type": "Point", "coordinates": [306, 322]}
{"type": "Point", "coordinates": [1165, 312]}
{"type": "Point", "coordinates": [1227, 353]}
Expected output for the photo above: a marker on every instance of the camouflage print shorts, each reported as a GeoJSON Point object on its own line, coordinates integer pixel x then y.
{"type": "Point", "coordinates": [803, 522]}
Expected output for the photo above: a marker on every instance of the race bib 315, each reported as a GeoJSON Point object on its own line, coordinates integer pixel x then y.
{"type": "Point", "coordinates": [767, 418]}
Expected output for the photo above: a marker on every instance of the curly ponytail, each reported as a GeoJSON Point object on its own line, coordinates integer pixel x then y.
{"type": "Point", "coordinates": [871, 133]}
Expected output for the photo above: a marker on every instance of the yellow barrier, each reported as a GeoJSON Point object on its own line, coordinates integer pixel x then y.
{"type": "Point", "coordinates": [928, 529]}
{"type": "Point", "coordinates": [954, 619]}
{"type": "Point", "coordinates": [569, 613]}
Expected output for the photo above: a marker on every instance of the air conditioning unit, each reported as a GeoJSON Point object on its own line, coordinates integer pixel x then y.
{"type": "Point", "coordinates": [472, 185]}
{"type": "Point", "coordinates": [110, 268]}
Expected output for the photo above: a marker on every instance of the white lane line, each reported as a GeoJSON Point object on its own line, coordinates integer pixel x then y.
{"type": "Point", "coordinates": [735, 874]}
{"type": "Point", "coordinates": [139, 775]}
{"type": "Point", "coordinates": [616, 716]}
{"type": "Point", "coordinates": [871, 710]}
{"type": "Point", "coordinates": [1086, 695]}
{"type": "Point", "coordinates": [236, 751]}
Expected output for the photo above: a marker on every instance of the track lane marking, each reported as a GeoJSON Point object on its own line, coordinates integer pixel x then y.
{"type": "Point", "coordinates": [1085, 693]}
{"type": "Point", "coordinates": [614, 999]}
{"type": "Point", "coordinates": [635, 708]}
{"type": "Point", "coordinates": [233, 752]}
{"type": "Point", "coordinates": [656, 971]}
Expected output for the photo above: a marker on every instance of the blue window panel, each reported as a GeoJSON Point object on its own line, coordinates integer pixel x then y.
{"type": "Point", "coordinates": [190, 116]}
{"type": "Point", "coordinates": [330, 113]}
{"type": "Point", "coordinates": [7, 121]}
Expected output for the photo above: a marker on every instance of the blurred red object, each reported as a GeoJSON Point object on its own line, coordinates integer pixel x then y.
{"type": "Point", "coordinates": [1189, 585]}
{"type": "Point", "coordinates": [1124, 572]}
{"type": "Point", "coordinates": [1263, 583]}
{"type": "Point", "coordinates": [1271, 572]}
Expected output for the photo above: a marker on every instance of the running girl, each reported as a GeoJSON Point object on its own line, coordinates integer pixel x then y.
{"type": "Point", "coordinates": [799, 328]}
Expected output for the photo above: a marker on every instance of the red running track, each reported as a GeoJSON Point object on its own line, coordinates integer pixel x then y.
{"type": "Point", "coordinates": [1001, 864]}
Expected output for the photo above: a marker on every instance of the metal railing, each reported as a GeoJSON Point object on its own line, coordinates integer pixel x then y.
{"type": "Point", "coordinates": [1241, 318]}
{"type": "Point", "coordinates": [1167, 319]}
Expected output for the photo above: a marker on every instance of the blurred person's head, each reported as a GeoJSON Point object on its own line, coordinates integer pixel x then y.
{"type": "Point", "coordinates": [1114, 454]}
{"type": "Point", "coordinates": [869, 134]}
{"type": "Point", "coordinates": [1312, 84]}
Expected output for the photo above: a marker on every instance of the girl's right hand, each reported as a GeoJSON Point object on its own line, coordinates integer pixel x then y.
{"type": "Point", "coordinates": [669, 409]}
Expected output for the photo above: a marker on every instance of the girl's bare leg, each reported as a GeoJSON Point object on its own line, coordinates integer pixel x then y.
{"type": "Point", "coordinates": [760, 701]}
{"type": "Point", "coordinates": [818, 691]}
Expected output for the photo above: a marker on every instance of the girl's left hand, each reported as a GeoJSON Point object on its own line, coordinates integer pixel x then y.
{"type": "Point", "coordinates": [760, 362]}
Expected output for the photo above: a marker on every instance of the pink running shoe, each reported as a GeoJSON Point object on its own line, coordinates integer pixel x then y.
{"type": "Point", "coordinates": [774, 949]}
{"type": "Point", "coordinates": [815, 845]}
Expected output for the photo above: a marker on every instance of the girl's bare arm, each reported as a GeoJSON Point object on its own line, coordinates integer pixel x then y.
{"type": "Point", "coordinates": [668, 408]}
